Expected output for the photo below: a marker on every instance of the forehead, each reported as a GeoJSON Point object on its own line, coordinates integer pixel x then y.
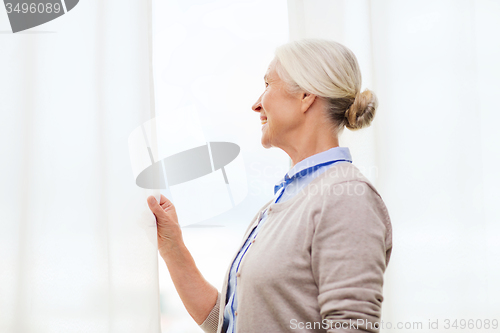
{"type": "Point", "coordinates": [271, 72]}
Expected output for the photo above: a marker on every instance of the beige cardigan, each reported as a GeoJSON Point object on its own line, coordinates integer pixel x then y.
{"type": "Point", "coordinates": [318, 262]}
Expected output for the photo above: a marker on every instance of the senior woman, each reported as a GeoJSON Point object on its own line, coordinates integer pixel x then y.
{"type": "Point", "coordinates": [313, 258]}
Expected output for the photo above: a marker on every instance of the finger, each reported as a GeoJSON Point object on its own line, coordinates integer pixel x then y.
{"type": "Point", "coordinates": [163, 200]}
{"type": "Point", "coordinates": [154, 206]}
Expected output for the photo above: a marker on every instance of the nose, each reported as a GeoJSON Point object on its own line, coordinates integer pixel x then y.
{"type": "Point", "coordinates": [257, 106]}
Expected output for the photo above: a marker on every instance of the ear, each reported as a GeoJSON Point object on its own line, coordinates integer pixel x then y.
{"type": "Point", "coordinates": [307, 100]}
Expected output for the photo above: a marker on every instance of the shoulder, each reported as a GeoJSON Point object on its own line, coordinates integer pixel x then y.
{"type": "Point", "coordinates": [345, 198]}
{"type": "Point", "coordinates": [342, 179]}
{"type": "Point", "coordinates": [343, 172]}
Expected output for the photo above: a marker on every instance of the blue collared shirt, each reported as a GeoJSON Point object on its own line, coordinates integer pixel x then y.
{"type": "Point", "coordinates": [332, 154]}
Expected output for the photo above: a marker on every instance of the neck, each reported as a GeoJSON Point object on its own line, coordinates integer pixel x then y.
{"type": "Point", "coordinates": [309, 146]}
{"type": "Point", "coordinates": [315, 135]}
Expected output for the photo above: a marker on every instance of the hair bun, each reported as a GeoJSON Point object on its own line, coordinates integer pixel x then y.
{"type": "Point", "coordinates": [360, 114]}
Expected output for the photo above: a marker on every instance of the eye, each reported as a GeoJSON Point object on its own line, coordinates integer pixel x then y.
{"type": "Point", "coordinates": [267, 84]}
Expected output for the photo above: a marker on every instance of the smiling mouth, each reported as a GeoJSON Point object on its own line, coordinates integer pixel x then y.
{"type": "Point", "coordinates": [263, 121]}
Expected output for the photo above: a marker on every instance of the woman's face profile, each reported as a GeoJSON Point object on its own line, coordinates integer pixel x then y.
{"type": "Point", "coordinates": [280, 108]}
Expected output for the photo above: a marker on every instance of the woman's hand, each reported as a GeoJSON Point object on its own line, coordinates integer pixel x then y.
{"type": "Point", "coordinates": [168, 228]}
{"type": "Point", "coordinates": [199, 296]}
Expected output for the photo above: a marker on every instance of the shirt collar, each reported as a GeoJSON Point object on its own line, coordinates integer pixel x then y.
{"type": "Point", "coordinates": [332, 154]}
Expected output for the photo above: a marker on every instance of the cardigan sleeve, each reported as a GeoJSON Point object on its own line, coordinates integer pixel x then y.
{"type": "Point", "coordinates": [210, 325]}
{"type": "Point", "coordinates": [349, 254]}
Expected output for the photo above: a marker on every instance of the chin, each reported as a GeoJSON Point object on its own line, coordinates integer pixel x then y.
{"type": "Point", "coordinates": [266, 143]}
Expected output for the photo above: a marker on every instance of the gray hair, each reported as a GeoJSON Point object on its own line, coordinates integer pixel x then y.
{"type": "Point", "coordinates": [329, 70]}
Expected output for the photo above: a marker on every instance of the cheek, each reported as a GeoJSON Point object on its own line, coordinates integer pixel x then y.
{"type": "Point", "coordinates": [272, 104]}
{"type": "Point", "coordinates": [266, 102]}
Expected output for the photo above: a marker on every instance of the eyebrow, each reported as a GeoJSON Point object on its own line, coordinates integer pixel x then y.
{"type": "Point", "coordinates": [265, 77]}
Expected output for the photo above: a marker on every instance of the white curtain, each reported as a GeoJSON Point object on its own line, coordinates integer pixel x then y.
{"type": "Point", "coordinates": [77, 240]}
{"type": "Point", "coordinates": [432, 150]}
